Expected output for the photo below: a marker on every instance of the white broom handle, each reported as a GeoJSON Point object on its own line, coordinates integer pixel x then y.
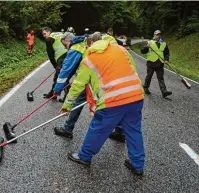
{"type": "Point", "coordinates": [57, 117]}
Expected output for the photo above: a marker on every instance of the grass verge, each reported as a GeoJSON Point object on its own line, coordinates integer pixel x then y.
{"type": "Point", "coordinates": [15, 63]}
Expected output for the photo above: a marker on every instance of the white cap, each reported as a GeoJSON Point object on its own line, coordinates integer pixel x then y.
{"type": "Point", "coordinates": [157, 32]}
{"type": "Point", "coordinates": [86, 29]}
{"type": "Point", "coordinates": [70, 29]}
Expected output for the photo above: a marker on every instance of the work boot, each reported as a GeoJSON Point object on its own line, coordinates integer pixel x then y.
{"type": "Point", "coordinates": [130, 167]}
{"type": "Point", "coordinates": [117, 137]}
{"type": "Point", "coordinates": [62, 132]}
{"type": "Point", "coordinates": [146, 90]}
{"type": "Point", "coordinates": [166, 93]}
{"type": "Point", "coordinates": [74, 157]}
{"type": "Point", "coordinates": [1, 148]}
{"type": "Point", "coordinates": [61, 100]}
{"type": "Point", "coordinates": [50, 94]}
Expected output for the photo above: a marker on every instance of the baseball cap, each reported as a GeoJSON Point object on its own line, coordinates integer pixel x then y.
{"type": "Point", "coordinates": [157, 32]}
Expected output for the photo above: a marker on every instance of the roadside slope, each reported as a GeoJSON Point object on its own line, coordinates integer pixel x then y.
{"type": "Point", "coordinates": [15, 64]}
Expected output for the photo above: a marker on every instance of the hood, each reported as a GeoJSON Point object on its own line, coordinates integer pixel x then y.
{"type": "Point", "coordinates": [77, 39]}
{"type": "Point", "coordinates": [98, 46]}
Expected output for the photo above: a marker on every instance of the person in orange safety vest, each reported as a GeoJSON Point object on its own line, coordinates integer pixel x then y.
{"type": "Point", "coordinates": [119, 100]}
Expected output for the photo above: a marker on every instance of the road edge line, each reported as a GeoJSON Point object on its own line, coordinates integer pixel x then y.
{"type": "Point", "coordinates": [16, 87]}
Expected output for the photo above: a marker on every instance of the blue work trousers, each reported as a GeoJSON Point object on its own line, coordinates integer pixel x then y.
{"type": "Point", "coordinates": [129, 116]}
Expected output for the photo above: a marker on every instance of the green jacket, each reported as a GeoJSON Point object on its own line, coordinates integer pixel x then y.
{"type": "Point", "coordinates": [87, 76]}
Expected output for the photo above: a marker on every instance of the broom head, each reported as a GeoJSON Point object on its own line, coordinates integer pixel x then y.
{"type": "Point", "coordinates": [185, 82]}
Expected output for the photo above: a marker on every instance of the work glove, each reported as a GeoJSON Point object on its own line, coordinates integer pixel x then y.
{"type": "Point", "coordinates": [64, 111]}
{"type": "Point", "coordinates": [58, 68]}
{"type": "Point", "coordinates": [56, 94]}
{"type": "Point", "coordinates": [148, 46]}
{"type": "Point", "coordinates": [166, 62]}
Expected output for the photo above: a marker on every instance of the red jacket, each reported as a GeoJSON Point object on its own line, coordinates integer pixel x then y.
{"type": "Point", "coordinates": [30, 39]}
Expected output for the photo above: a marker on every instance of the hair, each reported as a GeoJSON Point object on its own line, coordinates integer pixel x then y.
{"type": "Point", "coordinates": [110, 30]}
{"type": "Point", "coordinates": [96, 36]}
{"type": "Point", "coordinates": [48, 29]}
{"type": "Point", "coordinates": [67, 35]}
{"type": "Point", "coordinates": [89, 40]}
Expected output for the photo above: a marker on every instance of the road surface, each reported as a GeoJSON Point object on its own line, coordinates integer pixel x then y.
{"type": "Point", "coordinates": [38, 162]}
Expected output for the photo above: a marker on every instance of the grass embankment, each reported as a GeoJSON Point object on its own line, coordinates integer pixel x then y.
{"type": "Point", "coordinates": [184, 55]}
{"type": "Point", "coordinates": [15, 63]}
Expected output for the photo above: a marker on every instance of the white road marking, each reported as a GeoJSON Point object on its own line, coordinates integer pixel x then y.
{"type": "Point", "coordinates": [9, 94]}
{"type": "Point", "coordinates": [166, 68]}
{"type": "Point", "coordinates": [190, 152]}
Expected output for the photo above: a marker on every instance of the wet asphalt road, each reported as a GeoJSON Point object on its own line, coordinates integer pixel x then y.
{"type": "Point", "coordinates": [38, 162]}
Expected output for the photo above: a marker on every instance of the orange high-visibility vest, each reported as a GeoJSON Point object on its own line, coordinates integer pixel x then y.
{"type": "Point", "coordinates": [30, 39]}
{"type": "Point", "coordinates": [119, 82]}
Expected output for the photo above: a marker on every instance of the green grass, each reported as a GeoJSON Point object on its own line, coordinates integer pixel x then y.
{"type": "Point", "coordinates": [15, 63]}
{"type": "Point", "coordinates": [184, 55]}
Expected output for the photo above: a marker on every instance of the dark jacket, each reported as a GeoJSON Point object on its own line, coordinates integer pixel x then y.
{"type": "Point", "coordinates": [50, 51]}
{"type": "Point", "coordinates": [157, 63]}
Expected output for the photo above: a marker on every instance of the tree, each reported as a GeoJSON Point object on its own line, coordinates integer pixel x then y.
{"type": "Point", "coordinates": [17, 17]}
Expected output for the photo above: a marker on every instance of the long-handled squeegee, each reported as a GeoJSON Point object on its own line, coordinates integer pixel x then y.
{"type": "Point", "coordinates": [183, 80]}
{"type": "Point", "coordinates": [4, 143]}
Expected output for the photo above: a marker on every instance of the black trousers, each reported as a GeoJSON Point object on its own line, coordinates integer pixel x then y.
{"type": "Point", "coordinates": [58, 68]}
{"type": "Point", "coordinates": [160, 76]}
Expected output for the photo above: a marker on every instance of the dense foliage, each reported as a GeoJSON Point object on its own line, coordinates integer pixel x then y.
{"type": "Point", "coordinates": [130, 17]}
{"type": "Point", "coordinates": [17, 17]}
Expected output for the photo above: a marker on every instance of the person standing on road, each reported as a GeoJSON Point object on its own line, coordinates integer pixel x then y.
{"type": "Point", "coordinates": [118, 133]}
{"type": "Point", "coordinates": [156, 50]}
{"type": "Point", "coordinates": [76, 49]}
{"type": "Point", "coordinates": [56, 53]}
{"type": "Point", "coordinates": [111, 34]}
{"type": "Point", "coordinates": [119, 100]}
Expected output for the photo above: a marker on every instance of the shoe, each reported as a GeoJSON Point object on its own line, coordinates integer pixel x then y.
{"type": "Point", "coordinates": [146, 90]}
{"type": "Point", "coordinates": [1, 148]}
{"type": "Point", "coordinates": [61, 100]}
{"type": "Point", "coordinates": [62, 132]}
{"type": "Point", "coordinates": [166, 93]}
{"type": "Point", "coordinates": [74, 157]}
{"type": "Point", "coordinates": [130, 167]}
{"type": "Point", "coordinates": [118, 137]}
{"type": "Point", "coordinates": [50, 94]}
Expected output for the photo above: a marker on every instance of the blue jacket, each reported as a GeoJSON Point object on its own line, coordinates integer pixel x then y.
{"type": "Point", "coordinates": [70, 65]}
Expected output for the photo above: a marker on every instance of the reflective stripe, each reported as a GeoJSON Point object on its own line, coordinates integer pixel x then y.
{"type": "Point", "coordinates": [61, 80]}
{"type": "Point", "coordinates": [122, 91]}
{"type": "Point", "coordinates": [67, 102]}
{"type": "Point", "coordinates": [91, 66]}
{"type": "Point", "coordinates": [70, 97]}
{"type": "Point", "coordinates": [119, 80]}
